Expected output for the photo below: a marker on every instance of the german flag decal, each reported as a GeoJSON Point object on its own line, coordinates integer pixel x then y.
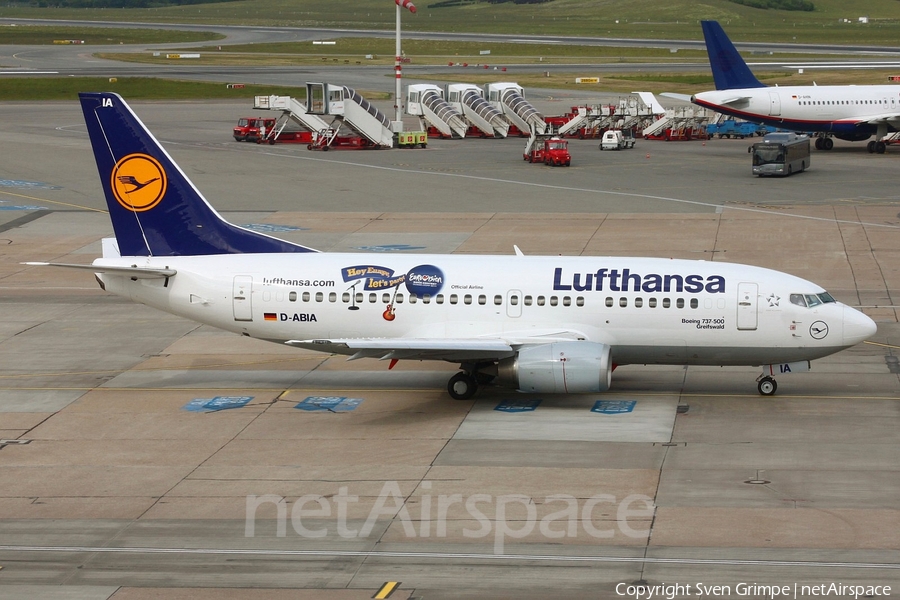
{"type": "Point", "coordinates": [270, 316]}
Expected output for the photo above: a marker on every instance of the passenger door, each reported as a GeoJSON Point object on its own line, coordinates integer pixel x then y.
{"type": "Point", "coordinates": [747, 306]}
{"type": "Point", "coordinates": [242, 295]}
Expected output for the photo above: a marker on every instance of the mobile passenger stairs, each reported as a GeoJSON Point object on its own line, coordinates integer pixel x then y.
{"type": "Point", "coordinates": [291, 110]}
{"type": "Point", "coordinates": [348, 108]}
{"type": "Point", "coordinates": [510, 99]}
{"type": "Point", "coordinates": [426, 101]}
{"type": "Point", "coordinates": [483, 118]}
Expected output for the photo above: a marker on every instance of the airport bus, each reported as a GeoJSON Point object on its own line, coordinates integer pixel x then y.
{"type": "Point", "coordinates": [780, 154]}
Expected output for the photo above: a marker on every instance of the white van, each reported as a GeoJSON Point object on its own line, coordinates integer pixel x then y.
{"type": "Point", "coordinates": [614, 139]}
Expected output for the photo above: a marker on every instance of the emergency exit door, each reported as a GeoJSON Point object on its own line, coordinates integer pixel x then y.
{"type": "Point", "coordinates": [242, 298]}
{"type": "Point", "coordinates": [747, 306]}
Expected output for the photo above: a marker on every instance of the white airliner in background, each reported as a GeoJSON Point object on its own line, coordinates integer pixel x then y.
{"type": "Point", "coordinates": [546, 324]}
{"type": "Point", "coordinates": [849, 112]}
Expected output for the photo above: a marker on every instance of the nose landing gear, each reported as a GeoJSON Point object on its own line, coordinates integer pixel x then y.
{"type": "Point", "coordinates": [766, 385]}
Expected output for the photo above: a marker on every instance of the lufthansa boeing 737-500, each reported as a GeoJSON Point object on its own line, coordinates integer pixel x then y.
{"type": "Point", "coordinates": [848, 112]}
{"type": "Point", "coordinates": [545, 324]}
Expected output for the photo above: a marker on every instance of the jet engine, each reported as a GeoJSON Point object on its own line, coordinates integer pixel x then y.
{"type": "Point", "coordinates": [858, 136]}
{"type": "Point", "coordinates": [558, 368]}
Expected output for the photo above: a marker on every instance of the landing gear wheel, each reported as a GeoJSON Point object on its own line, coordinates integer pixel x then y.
{"type": "Point", "coordinates": [818, 143]}
{"type": "Point", "coordinates": [767, 386]}
{"type": "Point", "coordinates": [828, 143]}
{"type": "Point", "coordinates": [880, 147]}
{"type": "Point", "coordinates": [462, 386]}
{"type": "Point", "coordinates": [870, 147]}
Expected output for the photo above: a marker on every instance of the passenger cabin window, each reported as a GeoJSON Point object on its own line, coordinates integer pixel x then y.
{"type": "Point", "coordinates": [527, 300]}
{"type": "Point", "coordinates": [426, 299]}
{"type": "Point", "coordinates": [399, 299]}
{"type": "Point", "coordinates": [579, 301]}
{"type": "Point", "coordinates": [482, 299]}
{"type": "Point", "coordinates": [609, 302]}
{"type": "Point", "coordinates": [332, 297]}
{"type": "Point", "coordinates": [514, 300]}
{"type": "Point", "coordinates": [679, 303]}
{"type": "Point", "coordinates": [439, 299]}
{"type": "Point", "coordinates": [306, 296]}
{"type": "Point", "coordinates": [467, 299]}
{"type": "Point", "coordinates": [345, 297]}
{"type": "Point", "coordinates": [567, 301]}
{"type": "Point", "coordinates": [498, 300]}
{"type": "Point", "coordinates": [292, 296]}
{"type": "Point", "coordinates": [623, 302]}
{"type": "Point", "coordinates": [666, 303]}
{"type": "Point", "coordinates": [651, 302]}
{"type": "Point", "coordinates": [540, 300]}
{"type": "Point", "coordinates": [694, 303]}
{"type": "Point", "coordinates": [554, 300]}
{"type": "Point", "coordinates": [638, 302]}
{"type": "Point", "coordinates": [373, 298]}
{"type": "Point", "coordinates": [385, 298]}
{"type": "Point", "coordinates": [320, 296]}
{"type": "Point", "coordinates": [413, 298]}
{"type": "Point", "coordinates": [454, 298]}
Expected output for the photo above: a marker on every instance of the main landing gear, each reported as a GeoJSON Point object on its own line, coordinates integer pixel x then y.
{"type": "Point", "coordinates": [824, 143]}
{"type": "Point", "coordinates": [464, 384]}
{"type": "Point", "coordinates": [766, 385]}
{"type": "Point", "coordinates": [876, 147]}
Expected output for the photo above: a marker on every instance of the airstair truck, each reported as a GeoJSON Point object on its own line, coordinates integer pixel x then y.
{"type": "Point", "coordinates": [510, 99]}
{"type": "Point", "coordinates": [426, 101]}
{"type": "Point", "coordinates": [348, 108]}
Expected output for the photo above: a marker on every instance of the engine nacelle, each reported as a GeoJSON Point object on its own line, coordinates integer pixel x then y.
{"type": "Point", "coordinates": [559, 368]}
{"type": "Point", "coordinates": [854, 137]}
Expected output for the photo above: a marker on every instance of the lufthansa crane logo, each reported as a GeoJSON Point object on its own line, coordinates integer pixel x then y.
{"type": "Point", "coordinates": [138, 182]}
{"type": "Point", "coordinates": [818, 330]}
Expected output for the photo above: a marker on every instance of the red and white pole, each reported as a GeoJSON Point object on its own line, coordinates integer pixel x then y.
{"type": "Point", "coordinates": [398, 93]}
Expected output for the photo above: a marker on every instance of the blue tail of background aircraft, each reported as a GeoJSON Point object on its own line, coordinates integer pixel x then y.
{"type": "Point", "coordinates": [154, 208]}
{"type": "Point", "coordinates": [730, 72]}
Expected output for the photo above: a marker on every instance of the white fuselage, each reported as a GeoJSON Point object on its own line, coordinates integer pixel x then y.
{"type": "Point", "coordinates": [648, 310]}
{"type": "Point", "coordinates": [848, 110]}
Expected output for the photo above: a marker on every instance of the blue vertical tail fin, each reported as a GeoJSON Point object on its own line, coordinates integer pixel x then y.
{"type": "Point", "coordinates": [154, 208]}
{"type": "Point", "coordinates": [730, 72]}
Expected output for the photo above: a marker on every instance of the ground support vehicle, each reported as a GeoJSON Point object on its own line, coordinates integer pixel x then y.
{"type": "Point", "coordinates": [329, 138]}
{"type": "Point", "coordinates": [252, 129]}
{"type": "Point", "coordinates": [616, 139]}
{"type": "Point", "coordinates": [780, 154]}
{"type": "Point", "coordinates": [548, 149]}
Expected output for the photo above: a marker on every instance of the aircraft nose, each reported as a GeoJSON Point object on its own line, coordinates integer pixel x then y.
{"type": "Point", "coordinates": [857, 326]}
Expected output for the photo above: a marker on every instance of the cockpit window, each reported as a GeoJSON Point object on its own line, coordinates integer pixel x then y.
{"type": "Point", "coordinates": [812, 300]}
{"type": "Point", "coordinates": [798, 299]}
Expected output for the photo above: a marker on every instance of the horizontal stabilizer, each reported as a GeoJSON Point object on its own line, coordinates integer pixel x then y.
{"type": "Point", "coordinates": [133, 272]}
{"type": "Point", "coordinates": [674, 96]}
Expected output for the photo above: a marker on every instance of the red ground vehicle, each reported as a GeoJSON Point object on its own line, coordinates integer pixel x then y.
{"type": "Point", "coordinates": [248, 128]}
{"type": "Point", "coordinates": [548, 149]}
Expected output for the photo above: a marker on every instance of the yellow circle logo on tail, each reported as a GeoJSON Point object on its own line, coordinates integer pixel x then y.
{"type": "Point", "coordinates": [138, 182]}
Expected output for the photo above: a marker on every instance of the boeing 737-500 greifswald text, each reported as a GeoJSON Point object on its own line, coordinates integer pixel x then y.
{"type": "Point", "coordinates": [547, 324]}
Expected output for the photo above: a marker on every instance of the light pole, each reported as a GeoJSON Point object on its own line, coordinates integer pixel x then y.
{"type": "Point", "coordinates": [398, 98]}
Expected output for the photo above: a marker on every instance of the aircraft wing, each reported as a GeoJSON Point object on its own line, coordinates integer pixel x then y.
{"type": "Point", "coordinates": [133, 272]}
{"type": "Point", "coordinates": [454, 350]}
{"type": "Point", "coordinates": [890, 118]}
